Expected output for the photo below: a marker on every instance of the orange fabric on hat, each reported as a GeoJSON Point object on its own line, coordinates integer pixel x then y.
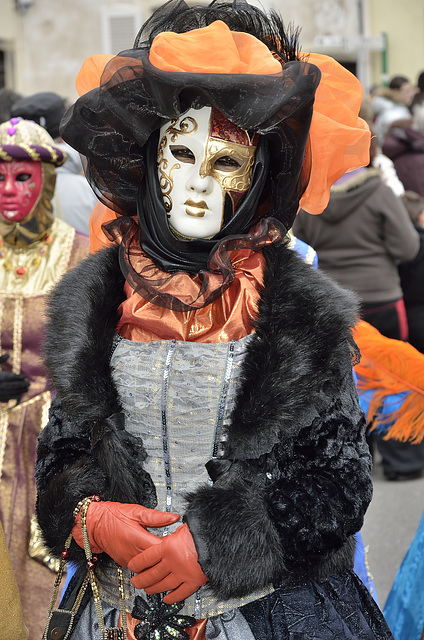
{"type": "Point", "coordinates": [340, 140]}
{"type": "Point", "coordinates": [90, 73]}
{"type": "Point", "coordinates": [212, 49]}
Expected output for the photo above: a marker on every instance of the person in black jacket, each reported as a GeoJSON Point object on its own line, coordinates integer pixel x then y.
{"type": "Point", "coordinates": [202, 369]}
{"type": "Point", "coordinates": [412, 274]}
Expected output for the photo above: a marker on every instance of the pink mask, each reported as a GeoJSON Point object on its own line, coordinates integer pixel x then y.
{"type": "Point", "coordinates": [20, 185]}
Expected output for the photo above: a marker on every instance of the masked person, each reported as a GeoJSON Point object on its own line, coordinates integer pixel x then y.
{"type": "Point", "coordinates": [202, 368]}
{"type": "Point", "coordinates": [36, 250]}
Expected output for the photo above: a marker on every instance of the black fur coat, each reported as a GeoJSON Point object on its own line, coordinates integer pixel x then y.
{"type": "Point", "coordinates": [295, 480]}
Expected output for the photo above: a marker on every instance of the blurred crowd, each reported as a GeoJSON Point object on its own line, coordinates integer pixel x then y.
{"type": "Point", "coordinates": [370, 236]}
{"type": "Point", "coordinates": [370, 239]}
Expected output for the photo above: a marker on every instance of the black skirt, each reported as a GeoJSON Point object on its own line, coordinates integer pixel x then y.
{"type": "Point", "coordinates": [337, 608]}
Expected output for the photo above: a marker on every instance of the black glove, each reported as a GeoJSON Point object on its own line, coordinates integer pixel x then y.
{"type": "Point", "coordinates": [12, 385]}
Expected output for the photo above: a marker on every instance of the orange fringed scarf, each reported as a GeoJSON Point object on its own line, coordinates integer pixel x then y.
{"type": "Point", "coordinates": [389, 367]}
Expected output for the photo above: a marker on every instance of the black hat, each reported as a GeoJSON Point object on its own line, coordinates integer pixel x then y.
{"type": "Point", "coordinates": [45, 108]}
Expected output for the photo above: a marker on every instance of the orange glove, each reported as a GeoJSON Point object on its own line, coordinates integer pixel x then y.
{"type": "Point", "coordinates": [120, 529]}
{"type": "Point", "coordinates": [169, 566]}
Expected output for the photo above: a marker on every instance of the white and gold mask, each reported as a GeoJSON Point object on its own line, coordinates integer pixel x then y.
{"type": "Point", "coordinates": [202, 157]}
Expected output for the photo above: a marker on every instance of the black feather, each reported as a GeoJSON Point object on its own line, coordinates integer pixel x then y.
{"type": "Point", "coordinates": [178, 17]}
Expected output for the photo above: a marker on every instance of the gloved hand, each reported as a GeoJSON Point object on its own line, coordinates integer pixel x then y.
{"type": "Point", "coordinates": [12, 385]}
{"type": "Point", "coordinates": [120, 529]}
{"type": "Point", "coordinates": [169, 566]}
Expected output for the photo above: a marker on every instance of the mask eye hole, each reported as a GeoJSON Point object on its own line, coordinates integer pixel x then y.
{"type": "Point", "coordinates": [23, 177]}
{"type": "Point", "coordinates": [227, 164]}
{"type": "Point", "coordinates": [183, 154]}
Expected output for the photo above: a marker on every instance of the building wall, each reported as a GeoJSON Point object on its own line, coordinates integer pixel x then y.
{"type": "Point", "coordinates": [8, 40]}
{"type": "Point", "coordinates": [404, 24]}
{"type": "Point", "coordinates": [47, 41]}
{"type": "Point", "coordinates": [53, 37]}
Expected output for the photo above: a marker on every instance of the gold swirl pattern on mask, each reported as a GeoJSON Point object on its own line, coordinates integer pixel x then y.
{"type": "Point", "coordinates": [188, 125]}
{"type": "Point", "coordinates": [166, 181]}
{"type": "Point", "coordinates": [236, 180]}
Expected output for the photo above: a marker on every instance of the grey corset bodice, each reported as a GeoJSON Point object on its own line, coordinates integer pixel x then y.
{"type": "Point", "coordinates": [178, 397]}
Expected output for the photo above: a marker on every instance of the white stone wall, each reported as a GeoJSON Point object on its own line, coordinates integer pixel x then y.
{"type": "Point", "coordinates": [47, 42]}
{"type": "Point", "coordinates": [53, 38]}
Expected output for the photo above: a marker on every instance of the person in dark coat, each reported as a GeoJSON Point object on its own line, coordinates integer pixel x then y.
{"type": "Point", "coordinates": [363, 233]}
{"type": "Point", "coordinates": [412, 274]}
{"type": "Point", "coordinates": [404, 145]}
{"type": "Point", "coordinates": [360, 238]}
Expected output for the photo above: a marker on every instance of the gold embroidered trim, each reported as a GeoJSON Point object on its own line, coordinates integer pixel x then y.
{"type": "Point", "coordinates": [66, 251]}
{"type": "Point", "coordinates": [45, 398]}
{"type": "Point", "coordinates": [37, 548]}
{"type": "Point", "coordinates": [4, 423]}
{"type": "Point", "coordinates": [12, 407]}
{"type": "Point", "coordinates": [40, 279]}
{"type": "Point", "coordinates": [5, 156]}
{"type": "Point", "coordinates": [1, 319]}
{"type": "Point", "coordinates": [17, 335]}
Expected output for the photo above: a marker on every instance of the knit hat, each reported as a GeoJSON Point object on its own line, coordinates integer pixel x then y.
{"type": "Point", "coordinates": [45, 108]}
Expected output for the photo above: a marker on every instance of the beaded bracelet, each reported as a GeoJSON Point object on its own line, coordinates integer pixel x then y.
{"type": "Point", "coordinates": [84, 501]}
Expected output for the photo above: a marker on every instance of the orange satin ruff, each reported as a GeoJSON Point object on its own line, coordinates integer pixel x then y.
{"type": "Point", "coordinates": [227, 318]}
{"type": "Point", "coordinates": [100, 215]}
{"type": "Point", "coordinates": [233, 52]}
{"type": "Point", "coordinates": [195, 632]}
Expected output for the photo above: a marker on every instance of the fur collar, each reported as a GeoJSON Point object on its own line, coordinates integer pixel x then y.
{"type": "Point", "coordinates": [303, 317]}
{"type": "Point", "coordinates": [357, 179]}
{"type": "Point", "coordinates": [303, 325]}
{"type": "Point", "coordinates": [82, 315]}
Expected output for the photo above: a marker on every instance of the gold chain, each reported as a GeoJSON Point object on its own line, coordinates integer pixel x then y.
{"type": "Point", "coordinates": [111, 633]}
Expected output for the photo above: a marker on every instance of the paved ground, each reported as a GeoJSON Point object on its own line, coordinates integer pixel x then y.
{"type": "Point", "coordinates": [390, 525]}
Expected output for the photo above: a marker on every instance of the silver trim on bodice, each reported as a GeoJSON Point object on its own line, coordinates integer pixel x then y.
{"type": "Point", "coordinates": [178, 397]}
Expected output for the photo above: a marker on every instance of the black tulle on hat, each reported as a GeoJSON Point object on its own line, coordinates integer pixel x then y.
{"type": "Point", "coordinates": [115, 127]}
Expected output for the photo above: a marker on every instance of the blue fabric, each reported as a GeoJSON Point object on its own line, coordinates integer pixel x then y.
{"type": "Point", "coordinates": [360, 567]}
{"type": "Point", "coordinates": [404, 609]}
{"type": "Point", "coordinates": [70, 570]}
{"type": "Point", "coordinates": [391, 403]}
{"type": "Point", "coordinates": [340, 607]}
{"type": "Point", "coordinates": [302, 249]}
